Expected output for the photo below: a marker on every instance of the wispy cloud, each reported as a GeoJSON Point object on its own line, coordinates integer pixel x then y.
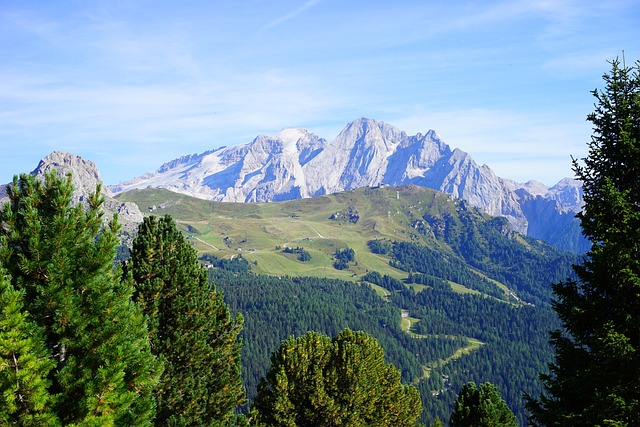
{"type": "Point", "coordinates": [155, 122]}
{"type": "Point", "coordinates": [288, 16]}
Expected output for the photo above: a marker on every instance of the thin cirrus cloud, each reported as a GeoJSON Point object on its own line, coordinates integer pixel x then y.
{"type": "Point", "coordinates": [289, 16]}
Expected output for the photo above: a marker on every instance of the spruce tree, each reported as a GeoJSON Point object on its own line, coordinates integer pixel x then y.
{"type": "Point", "coordinates": [318, 381]}
{"type": "Point", "coordinates": [481, 407]}
{"type": "Point", "coordinates": [25, 399]}
{"type": "Point", "coordinates": [190, 327]}
{"type": "Point", "coordinates": [594, 379]}
{"type": "Point", "coordinates": [61, 258]}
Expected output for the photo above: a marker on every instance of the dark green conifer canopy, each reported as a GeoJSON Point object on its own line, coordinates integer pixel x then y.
{"type": "Point", "coordinates": [190, 328]}
{"type": "Point", "coordinates": [594, 379]}
{"type": "Point", "coordinates": [318, 381]}
{"type": "Point", "coordinates": [60, 257]}
{"type": "Point", "coordinates": [481, 407]}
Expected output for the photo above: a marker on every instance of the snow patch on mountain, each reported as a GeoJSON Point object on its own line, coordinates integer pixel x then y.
{"type": "Point", "coordinates": [290, 138]}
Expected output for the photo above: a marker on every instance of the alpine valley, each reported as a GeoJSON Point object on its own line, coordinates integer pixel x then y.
{"type": "Point", "coordinates": [452, 294]}
{"type": "Point", "coordinates": [297, 164]}
{"type": "Point", "coordinates": [356, 240]}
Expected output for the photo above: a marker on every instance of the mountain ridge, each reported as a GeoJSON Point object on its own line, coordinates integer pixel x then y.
{"type": "Point", "coordinates": [295, 163]}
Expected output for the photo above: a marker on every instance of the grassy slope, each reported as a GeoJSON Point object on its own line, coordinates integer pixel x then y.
{"type": "Point", "coordinates": [255, 230]}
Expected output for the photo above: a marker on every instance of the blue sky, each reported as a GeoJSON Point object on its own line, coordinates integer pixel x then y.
{"type": "Point", "coordinates": [131, 84]}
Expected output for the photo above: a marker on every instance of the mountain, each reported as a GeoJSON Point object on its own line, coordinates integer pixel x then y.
{"type": "Point", "coordinates": [323, 224]}
{"type": "Point", "coordinates": [297, 164]}
{"type": "Point", "coordinates": [86, 177]}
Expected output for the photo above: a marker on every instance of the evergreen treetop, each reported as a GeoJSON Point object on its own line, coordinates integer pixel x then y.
{"type": "Point", "coordinates": [594, 380]}
{"type": "Point", "coordinates": [318, 381]}
{"type": "Point", "coordinates": [61, 258]}
{"type": "Point", "coordinates": [481, 407]}
{"type": "Point", "coordinates": [190, 328]}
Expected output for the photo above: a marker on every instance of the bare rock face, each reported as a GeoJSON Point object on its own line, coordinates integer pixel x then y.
{"type": "Point", "coordinates": [84, 174]}
{"type": "Point", "coordinates": [86, 178]}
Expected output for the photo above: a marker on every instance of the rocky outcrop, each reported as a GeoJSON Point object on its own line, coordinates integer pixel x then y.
{"type": "Point", "coordinates": [84, 173]}
{"type": "Point", "coordinates": [86, 178]}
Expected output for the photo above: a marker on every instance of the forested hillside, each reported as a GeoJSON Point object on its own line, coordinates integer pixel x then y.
{"type": "Point", "coordinates": [502, 343]}
{"type": "Point", "coordinates": [266, 234]}
{"type": "Point", "coordinates": [451, 294]}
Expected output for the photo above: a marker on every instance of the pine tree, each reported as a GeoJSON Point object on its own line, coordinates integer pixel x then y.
{"type": "Point", "coordinates": [314, 380]}
{"type": "Point", "coordinates": [190, 327]}
{"type": "Point", "coordinates": [594, 379]}
{"type": "Point", "coordinates": [25, 399]}
{"type": "Point", "coordinates": [481, 407]}
{"type": "Point", "coordinates": [61, 258]}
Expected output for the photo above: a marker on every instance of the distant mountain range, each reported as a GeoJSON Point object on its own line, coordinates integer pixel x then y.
{"type": "Point", "coordinates": [298, 164]}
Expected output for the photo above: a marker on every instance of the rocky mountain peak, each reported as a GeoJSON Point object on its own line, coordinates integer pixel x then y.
{"type": "Point", "coordinates": [84, 173]}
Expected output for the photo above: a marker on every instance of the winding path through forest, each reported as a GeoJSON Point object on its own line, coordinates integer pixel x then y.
{"type": "Point", "coordinates": [474, 344]}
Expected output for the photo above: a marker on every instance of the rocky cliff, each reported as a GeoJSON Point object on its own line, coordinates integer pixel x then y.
{"type": "Point", "coordinates": [86, 178]}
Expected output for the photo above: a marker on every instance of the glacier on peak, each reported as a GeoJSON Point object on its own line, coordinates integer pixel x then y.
{"type": "Point", "coordinates": [290, 138]}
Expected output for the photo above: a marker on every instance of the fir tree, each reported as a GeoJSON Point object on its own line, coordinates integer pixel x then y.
{"type": "Point", "coordinates": [317, 381]}
{"type": "Point", "coordinates": [481, 407]}
{"type": "Point", "coordinates": [61, 258]}
{"type": "Point", "coordinates": [25, 399]}
{"type": "Point", "coordinates": [594, 379]}
{"type": "Point", "coordinates": [190, 327]}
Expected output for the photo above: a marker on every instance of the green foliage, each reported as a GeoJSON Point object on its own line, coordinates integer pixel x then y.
{"type": "Point", "coordinates": [302, 255]}
{"type": "Point", "coordinates": [314, 380]}
{"type": "Point", "coordinates": [412, 257]}
{"type": "Point", "coordinates": [61, 258]}
{"type": "Point", "coordinates": [481, 407]}
{"type": "Point", "coordinates": [346, 254]}
{"type": "Point", "coordinates": [386, 281]}
{"type": "Point", "coordinates": [237, 263]}
{"type": "Point", "coordinates": [526, 272]}
{"type": "Point", "coordinates": [504, 256]}
{"type": "Point", "coordinates": [488, 245]}
{"type": "Point", "coordinates": [516, 344]}
{"type": "Point", "coordinates": [343, 257]}
{"type": "Point", "coordinates": [25, 399]}
{"type": "Point", "coordinates": [451, 248]}
{"type": "Point", "coordinates": [190, 328]}
{"type": "Point", "coordinates": [595, 375]}
{"type": "Point", "coordinates": [275, 308]}
{"type": "Point", "coordinates": [381, 247]}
